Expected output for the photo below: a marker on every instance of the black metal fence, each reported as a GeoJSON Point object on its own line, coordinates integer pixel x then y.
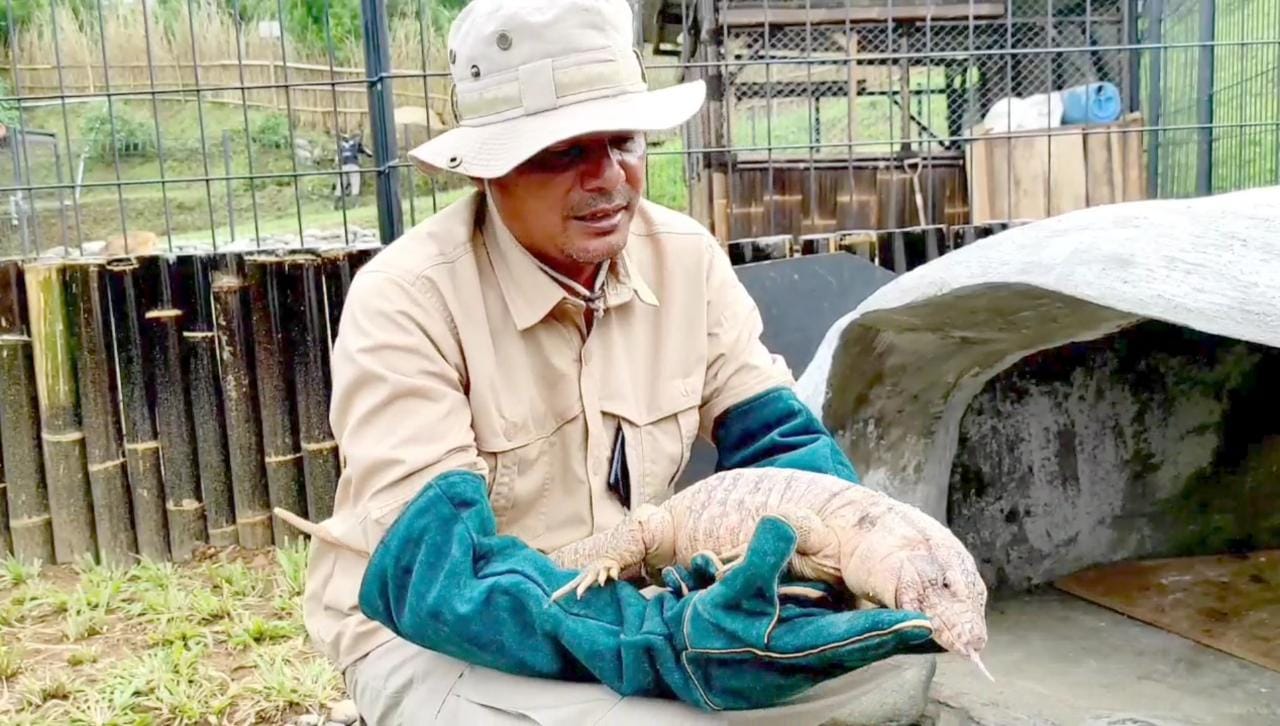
{"type": "Point", "coordinates": [179, 232]}
{"type": "Point", "coordinates": [220, 129]}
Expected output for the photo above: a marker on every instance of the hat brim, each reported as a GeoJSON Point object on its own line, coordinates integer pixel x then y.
{"type": "Point", "coordinates": [489, 152]}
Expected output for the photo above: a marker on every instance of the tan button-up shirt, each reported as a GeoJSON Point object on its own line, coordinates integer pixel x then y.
{"type": "Point", "coordinates": [456, 351]}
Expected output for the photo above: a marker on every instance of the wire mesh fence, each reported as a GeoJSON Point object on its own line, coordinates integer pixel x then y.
{"type": "Point", "coordinates": [186, 125]}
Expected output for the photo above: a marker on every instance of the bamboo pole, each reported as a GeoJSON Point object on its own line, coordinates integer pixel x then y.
{"type": "Point", "coordinates": [306, 320]}
{"type": "Point", "coordinates": [248, 479]}
{"type": "Point", "coordinates": [201, 358]}
{"type": "Point", "coordinates": [337, 279]}
{"type": "Point", "coordinates": [6, 537]}
{"type": "Point", "coordinates": [141, 445]}
{"type": "Point", "coordinates": [104, 449]}
{"type": "Point", "coordinates": [30, 524]}
{"type": "Point", "coordinates": [163, 319]}
{"type": "Point", "coordinates": [53, 357]}
{"type": "Point", "coordinates": [282, 456]}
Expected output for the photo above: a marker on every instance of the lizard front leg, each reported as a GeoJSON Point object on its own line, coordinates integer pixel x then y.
{"type": "Point", "coordinates": [817, 547]}
{"type": "Point", "coordinates": [606, 555]}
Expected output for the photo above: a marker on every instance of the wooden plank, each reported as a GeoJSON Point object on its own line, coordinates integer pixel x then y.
{"type": "Point", "coordinates": [1101, 180]}
{"type": "Point", "coordinates": [1227, 602]}
{"type": "Point", "coordinates": [1135, 171]}
{"type": "Point", "coordinates": [720, 206]}
{"type": "Point", "coordinates": [977, 155]}
{"type": "Point", "coordinates": [749, 17]}
{"type": "Point", "coordinates": [1000, 172]}
{"type": "Point", "coordinates": [1065, 167]}
{"type": "Point", "coordinates": [1115, 146]}
{"type": "Point", "coordinates": [1029, 185]}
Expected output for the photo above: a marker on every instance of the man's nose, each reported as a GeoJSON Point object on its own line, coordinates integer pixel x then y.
{"type": "Point", "coordinates": [602, 169]}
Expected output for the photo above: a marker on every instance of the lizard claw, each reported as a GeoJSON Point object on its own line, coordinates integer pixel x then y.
{"type": "Point", "coordinates": [600, 571]}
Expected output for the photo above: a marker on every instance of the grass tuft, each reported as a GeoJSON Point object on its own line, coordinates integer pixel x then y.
{"type": "Point", "coordinates": [212, 641]}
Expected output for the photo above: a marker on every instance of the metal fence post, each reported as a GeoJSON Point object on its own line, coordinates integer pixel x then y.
{"type": "Point", "coordinates": [377, 60]}
{"type": "Point", "coordinates": [1154, 117]}
{"type": "Point", "coordinates": [1204, 105]}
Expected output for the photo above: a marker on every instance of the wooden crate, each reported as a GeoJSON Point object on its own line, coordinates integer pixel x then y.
{"type": "Point", "coordinates": [1045, 172]}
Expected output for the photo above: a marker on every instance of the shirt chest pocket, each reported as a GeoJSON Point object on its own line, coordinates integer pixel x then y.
{"type": "Point", "coordinates": [659, 430]}
{"type": "Point", "coordinates": [523, 448]}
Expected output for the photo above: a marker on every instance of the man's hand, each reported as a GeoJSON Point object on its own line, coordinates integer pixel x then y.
{"type": "Point", "coordinates": [443, 578]}
{"type": "Point", "coordinates": [746, 638]}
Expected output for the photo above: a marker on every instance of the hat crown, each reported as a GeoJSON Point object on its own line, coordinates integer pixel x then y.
{"type": "Point", "coordinates": [494, 37]}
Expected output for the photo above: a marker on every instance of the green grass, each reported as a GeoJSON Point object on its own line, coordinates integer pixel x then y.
{"type": "Point", "coordinates": [221, 638]}
{"type": "Point", "coordinates": [1244, 92]}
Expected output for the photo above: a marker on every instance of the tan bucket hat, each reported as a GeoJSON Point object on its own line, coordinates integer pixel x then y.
{"type": "Point", "coordinates": [531, 73]}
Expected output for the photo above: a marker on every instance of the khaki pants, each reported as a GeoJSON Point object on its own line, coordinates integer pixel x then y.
{"type": "Point", "coordinates": [400, 684]}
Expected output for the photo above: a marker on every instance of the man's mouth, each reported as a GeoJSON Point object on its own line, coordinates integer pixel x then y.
{"type": "Point", "coordinates": [602, 213]}
{"type": "Point", "coordinates": [603, 218]}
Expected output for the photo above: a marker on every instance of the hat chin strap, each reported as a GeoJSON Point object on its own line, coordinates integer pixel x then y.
{"type": "Point", "coordinates": [593, 298]}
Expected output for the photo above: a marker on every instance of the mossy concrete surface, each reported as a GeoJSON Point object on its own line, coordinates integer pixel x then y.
{"type": "Point", "coordinates": [1154, 441]}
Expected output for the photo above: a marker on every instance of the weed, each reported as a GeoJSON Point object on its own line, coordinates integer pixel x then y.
{"type": "Point", "coordinates": [236, 579]}
{"type": "Point", "coordinates": [180, 631]}
{"type": "Point", "coordinates": [200, 642]}
{"type": "Point", "coordinates": [81, 624]}
{"type": "Point", "coordinates": [15, 572]}
{"type": "Point", "coordinates": [10, 663]}
{"type": "Point", "coordinates": [292, 559]}
{"type": "Point", "coordinates": [255, 630]}
{"type": "Point", "coordinates": [50, 687]}
{"type": "Point", "coordinates": [286, 680]}
{"type": "Point", "coordinates": [82, 656]}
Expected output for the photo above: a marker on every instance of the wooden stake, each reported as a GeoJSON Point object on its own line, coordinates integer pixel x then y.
{"type": "Point", "coordinates": [30, 525]}
{"type": "Point", "coordinates": [53, 358]}
{"type": "Point", "coordinates": [104, 448]}
{"type": "Point", "coordinates": [244, 441]}
{"type": "Point", "coordinates": [163, 323]}
{"type": "Point", "coordinates": [141, 445]}
{"type": "Point", "coordinates": [201, 357]}
{"type": "Point", "coordinates": [271, 353]}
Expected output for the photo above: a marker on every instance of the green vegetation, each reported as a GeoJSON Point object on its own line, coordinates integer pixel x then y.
{"type": "Point", "coordinates": [1244, 92]}
{"type": "Point", "coordinates": [218, 640]}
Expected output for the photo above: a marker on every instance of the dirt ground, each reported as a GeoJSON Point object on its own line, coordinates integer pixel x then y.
{"type": "Point", "coordinates": [218, 640]}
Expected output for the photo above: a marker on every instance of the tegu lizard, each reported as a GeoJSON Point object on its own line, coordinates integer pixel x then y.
{"type": "Point", "coordinates": [882, 550]}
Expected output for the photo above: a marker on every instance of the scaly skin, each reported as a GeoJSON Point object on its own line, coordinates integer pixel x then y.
{"type": "Point", "coordinates": [883, 550]}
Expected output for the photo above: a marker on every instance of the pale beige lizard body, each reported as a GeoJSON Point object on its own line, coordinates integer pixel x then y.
{"type": "Point", "coordinates": [880, 549]}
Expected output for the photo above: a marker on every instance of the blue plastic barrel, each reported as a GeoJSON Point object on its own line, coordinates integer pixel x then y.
{"type": "Point", "coordinates": [1091, 103]}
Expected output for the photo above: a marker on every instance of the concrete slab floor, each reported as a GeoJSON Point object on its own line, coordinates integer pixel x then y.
{"type": "Point", "coordinates": [1059, 659]}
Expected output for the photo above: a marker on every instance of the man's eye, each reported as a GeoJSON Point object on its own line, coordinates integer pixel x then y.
{"type": "Point", "coordinates": [627, 144]}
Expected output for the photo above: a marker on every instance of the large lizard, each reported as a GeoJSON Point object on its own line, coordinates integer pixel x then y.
{"type": "Point", "coordinates": [882, 550]}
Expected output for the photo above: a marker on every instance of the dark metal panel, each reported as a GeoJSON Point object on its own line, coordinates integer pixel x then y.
{"type": "Point", "coordinates": [799, 298]}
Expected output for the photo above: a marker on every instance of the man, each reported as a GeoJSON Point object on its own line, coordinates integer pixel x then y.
{"type": "Point", "coordinates": [520, 371]}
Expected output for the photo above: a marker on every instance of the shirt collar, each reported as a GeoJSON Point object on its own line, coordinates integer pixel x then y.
{"type": "Point", "coordinates": [531, 293]}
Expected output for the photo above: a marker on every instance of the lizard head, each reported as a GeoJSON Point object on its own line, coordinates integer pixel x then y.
{"type": "Point", "coordinates": [945, 585]}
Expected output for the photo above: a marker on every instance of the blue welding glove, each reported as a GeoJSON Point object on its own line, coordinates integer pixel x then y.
{"type": "Point", "coordinates": [443, 578]}
{"type": "Point", "coordinates": [775, 428]}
